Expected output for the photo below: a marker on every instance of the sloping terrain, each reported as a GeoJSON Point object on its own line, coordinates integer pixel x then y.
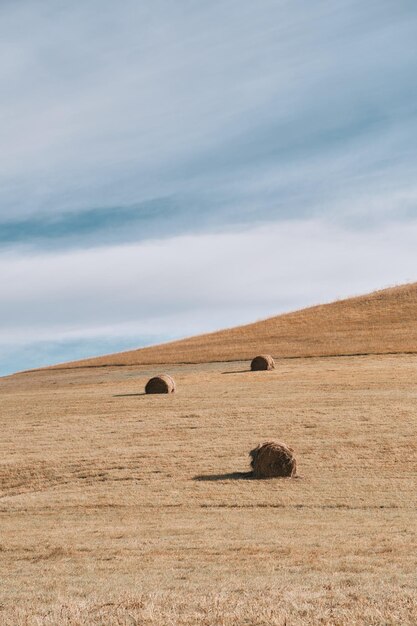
{"type": "Point", "coordinates": [383, 322]}
{"type": "Point", "coordinates": [121, 508]}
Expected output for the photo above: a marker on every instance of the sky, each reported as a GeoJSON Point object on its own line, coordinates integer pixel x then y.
{"type": "Point", "coordinates": [170, 168]}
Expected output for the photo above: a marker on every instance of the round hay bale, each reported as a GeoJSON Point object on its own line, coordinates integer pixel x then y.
{"type": "Point", "coordinates": [271, 459]}
{"type": "Point", "coordinates": [160, 384]}
{"type": "Point", "coordinates": [262, 362]}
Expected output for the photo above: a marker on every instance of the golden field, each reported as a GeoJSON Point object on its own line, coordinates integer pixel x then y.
{"type": "Point", "coordinates": [383, 322]}
{"type": "Point", "coordinates": [119, 508]}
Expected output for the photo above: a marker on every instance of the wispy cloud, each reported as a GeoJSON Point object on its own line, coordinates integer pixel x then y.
{"type": "Point", "coordinates": [189, 284]}
{"type": "Point", "coordinates": [110, 106]}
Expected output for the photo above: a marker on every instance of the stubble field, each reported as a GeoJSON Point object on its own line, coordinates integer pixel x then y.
{"type": "Point", "coordinates": [122, 508]}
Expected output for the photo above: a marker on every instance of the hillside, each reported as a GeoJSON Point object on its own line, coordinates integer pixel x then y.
{"type": "Point", "coordinates": [383, 322]}
{"type": "Point", "coordinates": [118, 507]}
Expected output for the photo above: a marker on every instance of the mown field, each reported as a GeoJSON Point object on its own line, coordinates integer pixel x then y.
{"type": "Point", "coordinates": [382, 322]}
{"type": "Point", "coordinates": [122, 508]}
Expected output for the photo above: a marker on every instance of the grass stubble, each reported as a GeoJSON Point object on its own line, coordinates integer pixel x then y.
{"type": "Point", "coordinates": [119, 508]}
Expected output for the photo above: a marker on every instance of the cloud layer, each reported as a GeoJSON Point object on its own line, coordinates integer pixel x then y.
{"type": "Point", "coordinates": [133, 294]}
{"type": "Point", "coordinates": [147, 149]}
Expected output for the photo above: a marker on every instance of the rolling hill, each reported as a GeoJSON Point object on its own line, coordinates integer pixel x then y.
{"type": "Point", "coordinates": [383, 322]}
{"type": "Point", "coordinates": [118, 507]}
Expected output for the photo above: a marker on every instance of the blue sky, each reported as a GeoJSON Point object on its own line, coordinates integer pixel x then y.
{"type": "Point", "coordinates": [169, 168]}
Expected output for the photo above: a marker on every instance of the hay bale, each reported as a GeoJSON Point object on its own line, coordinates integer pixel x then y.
{"type": "Point", "coordinates": [262, 362]}
{"type": "Point", "coordinates": [160, 384]}
{"type": "Point", "coordinates": [271, 459]}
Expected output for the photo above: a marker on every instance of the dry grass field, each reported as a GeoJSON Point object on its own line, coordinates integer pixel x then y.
{"type": "Point", "coordinates": [383, 322]}
{"type": "Point", "coordinates": [118, 508]}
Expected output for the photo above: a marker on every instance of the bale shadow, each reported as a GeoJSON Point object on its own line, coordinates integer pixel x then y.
{"type": "Point", "coordinates": [128, 395]}
{"type": "Point", "coordinates": [229, 476]}
{"type": "Point", "coordinates": [237, 372]}
{"type": "Point", "coordinates": [241, 476]}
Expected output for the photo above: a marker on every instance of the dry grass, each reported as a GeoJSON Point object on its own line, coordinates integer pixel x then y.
{"type": "Point", "coordinates": [331, 605]}
{"type": "Point", "coordinates": [383, 322]}
{"type": "Point", "coordinates": [118, 507]}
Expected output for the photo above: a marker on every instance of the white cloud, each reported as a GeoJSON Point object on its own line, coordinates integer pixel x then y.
{"type": "Point", "coordinates": [108, 103]}
{"type": "Point", "coordinates": [190, 284]}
